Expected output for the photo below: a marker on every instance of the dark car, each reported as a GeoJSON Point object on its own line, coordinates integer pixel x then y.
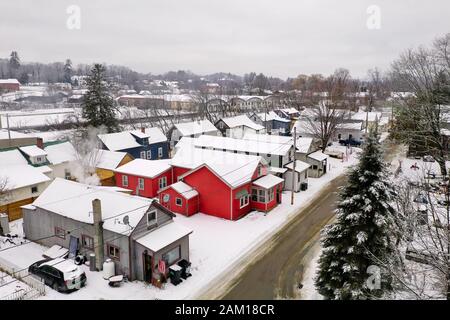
{"type": "Point", "coordinates": [350, 142]}
{"type": "Point", "coordinates": [60, 274]}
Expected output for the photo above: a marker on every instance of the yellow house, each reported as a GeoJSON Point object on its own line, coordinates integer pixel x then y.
{"type": "Point", "coordinates": [108, 161]}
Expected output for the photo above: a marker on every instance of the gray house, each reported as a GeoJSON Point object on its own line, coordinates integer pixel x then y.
{"type": "Point", "coordinates": [135, 232]}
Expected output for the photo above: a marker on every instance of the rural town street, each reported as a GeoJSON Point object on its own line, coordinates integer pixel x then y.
{"type": "Point", "coordinates": [275, 269]}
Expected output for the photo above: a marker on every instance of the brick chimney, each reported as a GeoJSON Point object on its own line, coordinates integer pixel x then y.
{"type": "Point", "coordinates": [142, 129]}
{"type": "Point", "coordinates": [99, 247]}
{"type": "Point", "coordinates": [40, 143]}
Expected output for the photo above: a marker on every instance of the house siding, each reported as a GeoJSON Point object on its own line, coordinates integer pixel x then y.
{"type": "Point", "coordinates": [188, 207]}
{"type": "Point", "coordinates": [151, 185]}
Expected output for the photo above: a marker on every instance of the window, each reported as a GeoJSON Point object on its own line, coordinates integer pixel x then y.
{"type": "Point", "coordinates": [87, 242]}
{"type": "Point", "coordinates": [60, 232]}
{"type": "Point", "coordinates": [179, 202]}
{"type": "Point", "coordinates": [141, 183]}
{"type": "Point", "coordinates": [255, 195]}
{"type": "Point", "coordinates": [243, 201]}
{"type": "Point", "coordinates": [151, 217]}
{"type": "Point", "coordinates": [149, 154]}
{"type": "Point", "coordinates": [145, 141]}
{"type": "Point", "coordinates": [261, 195]}
{"type": "Point", "coordinates": [142, 154]}
{"type": "Point", "coordinates": [160, 152]}
{"type": "Point", "coordinates": [314, 167]}
{"type": "Point", "coordinates": [172, 256]}
{"type": "Point", "coordinates": [125, 181]}
{"type": "Point", "coordinates": [34, 189]}
{"type": "Point", "coordinates": [162, 182]}
{"type": "Point", "coordinates": [113, 252]}
{"type": "Point", "coordinates": [271, 194]}
{"type": "Point", "coordinates": [67, 174]}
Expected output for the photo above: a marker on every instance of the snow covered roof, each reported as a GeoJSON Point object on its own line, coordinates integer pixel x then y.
{"type": "Point", "coordinates": [153, 134]}
{"type": "Point", "coordinates": [195, 127]}
{"type": "Point", "coordinates": [61, 152]}
{"type": "Point", "coordinates": [271, 116]}
{"type": "Point", "coordinates": [271, 138]}
{"type": "Point", "coordinates": [44, 169]}
{"type": "Point", "coordinates": [233, 168]}
{"type": "Point", "coordinates": [304, 126]}
{"type": "Point", "coordinates": [350, 125]}
{"type": "Point", "coordinates": [370, 116]}
{"type": "Point", "coordinates": [241, 120]}
{"type": "Point", "coordinates": [268, 181]}
{"type": "Point", "coordinates": [241, 145]}
{"type": "Point", "coordinates": [119, 141]}
{"type": "Point", "coordinates": [74, 200]}
{"type": "Point", "coordinates": [277, 170]}
{"type": "Point", "coordinates": [303, 144]}
{"type": "Point", "coordinates": [14, 134]}
{"type": "Point", "coordinates": [21, 175]}
{"type": "Point", "coordinates": [290, 110]}
{"type": "Point", "coordinates": [145, 168]}
{"type": "Point", "coordinates": [318, 155]}
{"type": "Point", "coordinates": [300, 166]}
{"type": "Point", "coordinates": [108, 160]}
{"type": "Point", "coordinates": [184, 189]}
{"type": "Point", "coordinates": [33, 151]}
{"type": "Point", "coordinates": [12, 157]}
{"type": "Point", "coordinates": [163, 236]}
{"type": "Point", "coordinates": [9, 81]}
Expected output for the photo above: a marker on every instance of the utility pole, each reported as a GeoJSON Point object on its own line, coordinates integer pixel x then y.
{"type": "Point", "coordinates": [9, 131]}
{"type": "Point", "coordinates": [293, 166]}
{"type": "Point", "coordinates": [98, 231]}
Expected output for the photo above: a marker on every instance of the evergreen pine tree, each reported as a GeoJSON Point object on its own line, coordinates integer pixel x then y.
{"type": "Point", "coordinates": [98, 105]}
{"type": "Point", "coordinates": [68, 71]}
{"type": "Point", "coordinates": [14, 64]}
{"type": "Point", "coordinates": [361, 235]}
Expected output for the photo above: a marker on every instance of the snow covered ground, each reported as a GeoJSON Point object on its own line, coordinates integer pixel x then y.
{"type": "Point", "coordinates": [215, 245]}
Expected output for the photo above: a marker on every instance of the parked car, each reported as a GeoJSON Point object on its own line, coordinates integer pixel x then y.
{"type": "Point", "coordinates": [60, 274]}
{"type": "Point", "coordinates": [350, 142]}
{"type": "Point", "coordinates": [428, 159]}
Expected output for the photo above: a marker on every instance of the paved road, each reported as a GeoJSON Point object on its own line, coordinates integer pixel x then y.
{"type": "Point", "coordinates": [277, 270]}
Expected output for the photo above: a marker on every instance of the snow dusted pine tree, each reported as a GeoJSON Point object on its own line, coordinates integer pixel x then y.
{"type": "Point", "coordinates": [98, 106]}
{"type": "Point", "coordinates": [362, 233]}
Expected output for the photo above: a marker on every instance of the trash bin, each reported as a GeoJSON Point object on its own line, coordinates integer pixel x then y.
{"type": "Point", "coordinates": [92, 266]}
{"type": "Point", "coordinates": [303, 186]}
{"type": "Point", "coordinates": [175, 274]}
{"type": "Point", "coordinates": [185, 268]}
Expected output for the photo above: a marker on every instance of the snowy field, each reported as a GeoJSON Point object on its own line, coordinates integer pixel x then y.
{"type": "Point", "coordinates": [212, 249]}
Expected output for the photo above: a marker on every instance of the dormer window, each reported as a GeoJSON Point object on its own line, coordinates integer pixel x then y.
{"type": "Point", "coordinates": [145, 141]}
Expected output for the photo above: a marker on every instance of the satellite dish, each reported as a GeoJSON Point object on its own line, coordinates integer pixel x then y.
{"type": "Point", "coordinates": [126, 220]}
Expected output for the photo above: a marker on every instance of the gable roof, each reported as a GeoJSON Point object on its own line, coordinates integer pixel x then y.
{"type": "Point", "coordinates": [300, 166]}
{"type": "Point", "coordinates": [109, 160]}
{"type": "Point", "coordinates": [268, 181]}
{"type": "Point", "coordinates": [195, 127]}
{"type": "Point", "coordinates": [163, 236]}
{"type": "Point", "coordinates": [12, 157]}
{"type": "Point", "coordinates": [61, 152]}
{"type": "Point", "coordinates": [271, 116]}
{"type": "Point", "coordinates": [183, 189]}
{"type": "Point", "coordinates": [21, 175]}
{"type": "Point", "coordinates": [303, 144]}
{"type": "Point", "coordinates": [145, 168]}
{"type": "Point", "coordinates": [233, 168]}
{"type": "Point", "coordinates": [242, 145]}
{"type": "Point", "coordinates": [318, 155]}
{"type": "Point", "coordinates": [241, 120]}
{"type": "Point", "coordinates": [33, 151]}
{"type": "Point", "coordinates": [74, 200]}
{"type": "Point", "coordinates": [119, 141]}
{"type": "Point", "coordinates": [271, 138]}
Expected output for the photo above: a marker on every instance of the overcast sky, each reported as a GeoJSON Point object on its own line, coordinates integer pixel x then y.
{"type": "Point", "coordinates": [281, 38]}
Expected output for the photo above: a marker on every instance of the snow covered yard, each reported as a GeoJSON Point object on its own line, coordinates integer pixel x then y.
{"type": "Point", "coordinates": [215, 245]}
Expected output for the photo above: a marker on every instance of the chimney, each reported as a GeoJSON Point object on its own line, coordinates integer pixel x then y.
{"type": "Point", "coordinates": [99, 247]}
{"type": "Point", "coordinates": [40, 143]}
{"type": "Point", "coordinates": [142, 129]}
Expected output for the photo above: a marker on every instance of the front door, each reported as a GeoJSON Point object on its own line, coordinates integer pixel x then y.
{"type": "Point", "coordinates": [147, 267]}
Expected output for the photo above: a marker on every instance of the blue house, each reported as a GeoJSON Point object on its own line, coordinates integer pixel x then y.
{"type": "Point", "coordinates": [147, 143]}
{"type": "Point", "coordinates": [273, 123]}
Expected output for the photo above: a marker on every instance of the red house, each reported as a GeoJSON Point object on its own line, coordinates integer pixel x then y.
{"type": "Point", "coordinates": [180, 198]}
{"type": "Point", "coordinates": [144, 177]}
{"type": "Point", "coordinates": [9, 85]}
{"type": "Point", "coordinates": [226, 181]}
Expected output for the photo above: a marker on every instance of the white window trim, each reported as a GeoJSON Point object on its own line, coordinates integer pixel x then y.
{"type": "Point", "coordinates": [149, 154]}
{"type": "Point", "coordinates": [125, 180]}
{"type": "Point", "coordinates": [244, 203]}
{"type": "Point", "coordinates": [180, 205]}
{"type": "Point", "coordinates": [159, 182]}
{"type": "Point", "coordinates": [139, 183]}
{"type": "Point", "coordinates": [160, 152]}
{"type": "Point", "coordinates": [143, 155]}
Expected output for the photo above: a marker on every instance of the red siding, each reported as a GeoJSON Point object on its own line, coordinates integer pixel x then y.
{"type": "Point", "coordinates": [177, 172]}
{"type": "Point", "coordinates": [270, 205]}
{"type": "Point", "coordinates": [240, 212]}
{"type": "Point", "coordinates": [214, 194]}
{"type": "Point", "coordinates": [188, 208]}
{"type": "Point", "coordinates": [151, 186]}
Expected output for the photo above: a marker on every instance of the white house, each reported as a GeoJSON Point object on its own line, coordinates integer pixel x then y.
{"type": "Point", "coordinates": [62, 158]}
{"type": "Point", "coordinates": [300, 175]}
{"type": "Point", "coordinates": [192, 129]}
{"type": "Point", "coordinates": [238, 126]}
